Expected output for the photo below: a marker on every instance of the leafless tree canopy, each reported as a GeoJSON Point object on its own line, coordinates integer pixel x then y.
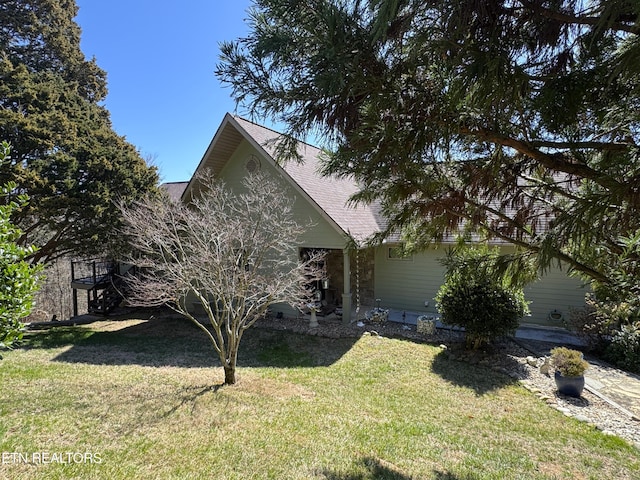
{"type": "Point", "coordinates": [231, 253]}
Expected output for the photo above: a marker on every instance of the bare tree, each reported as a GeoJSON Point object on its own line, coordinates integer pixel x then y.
{"type": "Point", "coordinates": [232, 253]}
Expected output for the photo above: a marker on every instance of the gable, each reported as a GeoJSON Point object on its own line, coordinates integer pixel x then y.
{"type": "Point", "coordinates": [329, 197]}
{"type": "Point", "coordinates": [320, 232]}
{"type": "Point", "coordinates": [174, 189]}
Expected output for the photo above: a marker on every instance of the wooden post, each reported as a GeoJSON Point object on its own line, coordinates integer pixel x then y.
{"type": "Point", "coordinates": [75, 302]}
{"type": "Point", "coordinates": [75, 291]}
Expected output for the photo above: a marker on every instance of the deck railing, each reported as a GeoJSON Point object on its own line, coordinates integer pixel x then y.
{"type": "Point", "coordinates": [91, 272]}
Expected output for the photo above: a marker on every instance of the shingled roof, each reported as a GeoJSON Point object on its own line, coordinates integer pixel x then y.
{"type": "Point", "coordinates": [174, 189]}
{"type": "Point", "coordinates": [329, 195]}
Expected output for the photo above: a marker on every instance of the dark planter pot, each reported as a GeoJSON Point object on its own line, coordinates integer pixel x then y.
{"type": "Point", "coordinates": [571, 386]}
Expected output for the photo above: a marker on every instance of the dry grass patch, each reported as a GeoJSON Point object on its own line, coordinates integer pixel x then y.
{"type": "Point", "coordinates": [273, 388]}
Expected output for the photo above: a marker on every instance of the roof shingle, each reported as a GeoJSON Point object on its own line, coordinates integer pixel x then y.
{"type": "Point", "coordinates": [330, 194]}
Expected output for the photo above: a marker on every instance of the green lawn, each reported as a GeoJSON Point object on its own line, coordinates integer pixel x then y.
{"type": "Point", "coordinates": [136, 397]}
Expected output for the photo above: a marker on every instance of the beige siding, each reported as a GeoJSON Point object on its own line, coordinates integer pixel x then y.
{"type": "Point", "coordinates": [407, 284]}
{"type": "Point", "coordinates": [401, 284]}
{"type": "Point", "coordinates": [554, 291]}
{"type": "Point", "coordinates": [321, 234]}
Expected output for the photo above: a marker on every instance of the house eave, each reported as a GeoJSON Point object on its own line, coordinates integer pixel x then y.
{"type": "Point", "coordinates": [225, 142]}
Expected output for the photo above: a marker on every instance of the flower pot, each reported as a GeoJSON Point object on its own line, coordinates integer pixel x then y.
{"type": "Point", "coordinates": [426, 324]}
{"type": "Point", "coordinates": [377, 315]}
{"type": "Point", "coordinates": [571, 386]}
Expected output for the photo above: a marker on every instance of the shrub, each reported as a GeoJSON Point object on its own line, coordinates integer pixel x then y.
{"type": "Point", "coordinates": [568, 362]}
{"type": "Point", "coordinates": [611, 320]}
{"type": "Point", "coordinates": [595, 323]}
{"type": "Point", "coordinates": [624, 350]}
{"type": "Point", "coordinates": [478, 299]}
{"type": "Point", "coordinates": [18, 279]}
{"type": "Point", "coordinates": [611, 328]}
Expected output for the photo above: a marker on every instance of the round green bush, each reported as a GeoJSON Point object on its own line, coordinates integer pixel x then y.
{"type": "Point", "coordinates": [486, 311]}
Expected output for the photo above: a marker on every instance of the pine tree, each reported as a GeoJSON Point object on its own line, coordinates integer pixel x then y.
{"type": "Point", "coordinates": [516, 120]}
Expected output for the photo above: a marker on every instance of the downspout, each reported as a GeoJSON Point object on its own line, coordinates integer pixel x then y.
{"type": "Point", "coordinates": [346, 294]}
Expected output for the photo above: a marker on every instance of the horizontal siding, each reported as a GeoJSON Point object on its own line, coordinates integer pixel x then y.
{"type": "Point", "coordinates": [404, 284]}
{"type": "Point", "coordinates": [407, 284]}
{"type": "Point", "coordinates": [554, 291]}
{"type": "Point", "coordinates": [195, 308]}
{"type": "Point", "coordinates": [285, 309]}
{"type": "Point", "coordinates": [321, 234]}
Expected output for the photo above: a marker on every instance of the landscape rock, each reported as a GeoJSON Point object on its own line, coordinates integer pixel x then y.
{"type": "Point", "coordinates": [545, 368]}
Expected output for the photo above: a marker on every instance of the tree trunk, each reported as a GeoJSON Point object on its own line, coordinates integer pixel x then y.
{"type": "Point", "coordinates": [230, 375]}
{"type": "Point", "coordinates": [231, 358]}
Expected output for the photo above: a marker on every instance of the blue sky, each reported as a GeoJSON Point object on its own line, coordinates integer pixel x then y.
{"type": "Point", "coordinates": [160, 58]}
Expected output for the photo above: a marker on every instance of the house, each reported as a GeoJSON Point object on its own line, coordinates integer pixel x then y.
{"type": "Point", "coordinates": [357, 278]}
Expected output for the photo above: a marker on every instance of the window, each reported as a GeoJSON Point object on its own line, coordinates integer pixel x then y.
{"type": "Point", "coordinates": [397, 252]}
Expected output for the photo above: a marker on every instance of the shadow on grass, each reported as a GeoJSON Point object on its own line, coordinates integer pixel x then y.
{"type": "Point", "coordinates": [374, 469]}
{"type": "Point", "coordinates": [438, 475]}
{"type": "Point", "coordinates": [189, 397]}
{"type": "Point", "coordinates": [275, 348]}
{"type": "Point", "coordinates": [481, 379]}
{"type": "Point", "coordinates": [177, 342]}
{"type": "Point", "coordinates": [377, 469]}
{"type": "Point", "coordinates": [55, 337]}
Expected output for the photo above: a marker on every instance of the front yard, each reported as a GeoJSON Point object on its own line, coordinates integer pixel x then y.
{"type": "Point", "coordinates": [134, 399]}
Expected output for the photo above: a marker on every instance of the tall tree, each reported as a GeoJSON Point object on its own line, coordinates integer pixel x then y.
{"type": "Point", "coordinates": [234, 253]}
{"type": "Point", "coordinates": [516, 119]}
{"type": "Point", "coordinates": [66, 155]}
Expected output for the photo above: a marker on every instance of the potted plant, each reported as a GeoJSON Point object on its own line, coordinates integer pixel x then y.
{"type": "Point", "coordinates": [377, 315]}
{"type": "Point", "coordinates": [426, 324]}
{"type": "Point", "coordinates": [569, 368]}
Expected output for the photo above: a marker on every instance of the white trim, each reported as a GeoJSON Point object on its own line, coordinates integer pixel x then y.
{"type": "Point", "coordinates": [229, 119]}
{"type": "Point", "coordinates": [206, 155]}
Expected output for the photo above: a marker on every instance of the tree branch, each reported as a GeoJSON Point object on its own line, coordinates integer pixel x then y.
{"type": "Point", "coordinates": [557, 161]}
{"type": "Point", "coordinates": [583, 20]}
{"type": "Point", "coordinates": [608, 146]}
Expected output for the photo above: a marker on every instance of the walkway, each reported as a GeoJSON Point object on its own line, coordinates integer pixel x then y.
{"type": "Point", "coordinates": [619, 388]}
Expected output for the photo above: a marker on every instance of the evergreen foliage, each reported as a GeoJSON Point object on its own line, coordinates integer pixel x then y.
{"type": "Point", "coordinates": [66, 155]}
{"type": "Point", "coordinates": [515, 120]}
{"type": "Point", "coordinates": [624, 349]}
{"type": "Point", "coordinates": [18, 279]}
{"type": "Point", "coordinates": [569, 362]}
{"type": "Point", "coordinates": [478, 298]}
